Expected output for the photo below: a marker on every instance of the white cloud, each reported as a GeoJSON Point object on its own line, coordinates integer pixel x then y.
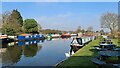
{"type": "Point", "coordinates": [67, 22]}
{"type": "Point", "coordinates": [61, 21]}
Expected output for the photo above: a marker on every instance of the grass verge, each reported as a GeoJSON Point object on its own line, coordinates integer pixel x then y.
{"type": "Point", "coordinates": [82, 57]}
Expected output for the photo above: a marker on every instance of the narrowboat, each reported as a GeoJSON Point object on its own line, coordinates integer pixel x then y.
{"type": "Point", "coordinates": [65, 35]}
{"type": "Point", "coordinates": [78, 42]}
{"type": "Point", "coordinates": [5, 39]}
{"type": "Point", "coordinates": [28, 37]}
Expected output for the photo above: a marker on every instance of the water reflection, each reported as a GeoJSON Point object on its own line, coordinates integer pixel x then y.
{"type": "Point", "coordinates": [5, 45]}
{"type": "Point", "coordinates": [30, 42]}
{"type": "Point", "coordinates": [30, 50]}
{"type": "Point", "coordinates": [34, 53]}
{"type": "Point", "coordinates": [13, 54]}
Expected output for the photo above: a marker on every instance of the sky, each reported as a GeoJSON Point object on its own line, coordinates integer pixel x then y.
{"type": "Point", "coordinates": [63, 15]}
{"type": "Point", "coordinates": [60, 0]}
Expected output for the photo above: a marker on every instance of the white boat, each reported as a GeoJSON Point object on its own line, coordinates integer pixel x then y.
{"type": "Point", "coordinates": [69, 54]}
{"type": "Point", "coordinates": [77, 42]}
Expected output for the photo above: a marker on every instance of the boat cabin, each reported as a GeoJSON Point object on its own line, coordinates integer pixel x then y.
{"type": "Point", "coordinates": [77, 42]}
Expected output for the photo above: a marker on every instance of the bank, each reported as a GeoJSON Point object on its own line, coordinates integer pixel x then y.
{"type": "Point", "coordinates": [81, 59]}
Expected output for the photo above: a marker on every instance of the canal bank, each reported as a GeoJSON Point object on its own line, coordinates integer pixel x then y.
{"type": "Point", "coordinates": [81, 59]}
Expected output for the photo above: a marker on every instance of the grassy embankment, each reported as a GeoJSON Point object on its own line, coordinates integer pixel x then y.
{"type": "Point", "coordinates": [82, 57]}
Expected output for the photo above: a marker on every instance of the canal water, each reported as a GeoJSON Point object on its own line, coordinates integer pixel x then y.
{"type": "Point", "coordinates": [36, 53]}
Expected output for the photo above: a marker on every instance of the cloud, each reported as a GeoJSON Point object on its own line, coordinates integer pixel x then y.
{"type": "Point", "coordinates": [60, 21]}
{"type": "Point", "coordinates": [68, 21]}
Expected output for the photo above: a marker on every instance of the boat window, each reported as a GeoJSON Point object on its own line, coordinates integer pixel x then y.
{"type": "Point", "coordinates": [79, 40]}
{"type": "Point", "coordinates": [74, 41]}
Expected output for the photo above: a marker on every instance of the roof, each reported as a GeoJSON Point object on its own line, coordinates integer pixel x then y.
{"type": "Point", "coordinates": [25, 34]}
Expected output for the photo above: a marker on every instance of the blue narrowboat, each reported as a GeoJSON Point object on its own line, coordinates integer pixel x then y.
{"type": "Point", "coordinates": [30, 37]}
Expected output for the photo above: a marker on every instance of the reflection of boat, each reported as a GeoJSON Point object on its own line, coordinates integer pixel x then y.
{"type": "Point", "coordinates": [49, 38]}
{"type": "Point", "coordinates": [55, 38]}
{"type": "Point", "coordinates": [69, 54]}
{"type": "Point", "coordinates": [11, 44]}
{"type": "Point", "coordinates": [29, 42]}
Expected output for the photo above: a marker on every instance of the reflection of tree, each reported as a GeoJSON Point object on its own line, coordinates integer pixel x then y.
{"type": "Point", "coordinates": [30, 50]}
{"type": "Point", "coordinates": [39, 48]}
{"type": "Point", "coordinates": [12, 55]}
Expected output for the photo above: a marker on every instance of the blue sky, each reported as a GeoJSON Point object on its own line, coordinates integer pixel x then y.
{"type": "Point", "coordinates": [63, 15]}
{"type": "Point", "coordinates": [60, 0]}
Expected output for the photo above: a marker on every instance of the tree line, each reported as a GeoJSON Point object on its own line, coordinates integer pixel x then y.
{"type": "Point", "coordinates": [13, 24]}
{"type": "Point", "coordinates": [108, 20]}
{"type": "Point", "coordinates": [111, 21]}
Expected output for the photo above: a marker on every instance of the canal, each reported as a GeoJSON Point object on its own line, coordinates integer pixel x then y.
{"type": "Point", "coordinates": [36, 53]}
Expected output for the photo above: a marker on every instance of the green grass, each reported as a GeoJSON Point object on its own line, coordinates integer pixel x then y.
{"type": "Point", "coordinates": [115, 41]}
{"type": "Point", "coordinates": [82, 57]}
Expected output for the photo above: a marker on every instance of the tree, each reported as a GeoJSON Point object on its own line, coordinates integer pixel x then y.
{"type": "Point", "coordinates": [30, 26]}
{"type": "Point", "coordinates": [0, 22]}
{"type": "Point", "coordinates": [17, 16]}
{"type": "Point", "coordinates": [30, 51]}
{"type": "Point", "coordinates": [11, 25]}
{"type": "Point", "coordinates": [83, 31]}
{"type": "Point", "coordinates": [3, 19]}
{"type": "Point", "coordinates": [102, 32]}
{"type": "Point", "coordinates": [90, 29]}
{"type": "Point", "coordinates": [39, 27]}
{"type": "Point", "coordinates": [79, 29]}
{"type": "Point", "coordinates": [5, 16]}
{"type": "Point", "coordinates": [110, 21]}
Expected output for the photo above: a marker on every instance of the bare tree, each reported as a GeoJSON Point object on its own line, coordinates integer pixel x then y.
{"type": "Point", "coordinates": [90, 29]}
{"type": "Point", "coordinates": [5, 16]}
{"type": "Point", "coordinates": [110, 21]}
{"type": "Point", "coordinates": [0, 20]}
{"type": "Point", "coordinates": [79, 29]}
{"type": "Point", "coordinates": [0, 23]}
{"type": "Point", "coordinates": [39, 27]}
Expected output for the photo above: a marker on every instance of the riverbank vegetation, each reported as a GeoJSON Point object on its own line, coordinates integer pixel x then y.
{"type": "Point", "coordinates": [110, 21]}
{"type": "Point", "coordinates": [14, 24]}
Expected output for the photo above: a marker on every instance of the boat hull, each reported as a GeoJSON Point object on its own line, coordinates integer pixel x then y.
{"type": "Point", "coordinates": [65, 36]}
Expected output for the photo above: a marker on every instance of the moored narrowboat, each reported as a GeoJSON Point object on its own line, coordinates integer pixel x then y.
{"type": "Point", "coordinates": [78, 42]}
{"type": "Point", "coordinates": [28, 37]}
{"type": "Point", "coordinates": [5, 39]}
{"type": "Point", "coordinates": [65, 35]}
